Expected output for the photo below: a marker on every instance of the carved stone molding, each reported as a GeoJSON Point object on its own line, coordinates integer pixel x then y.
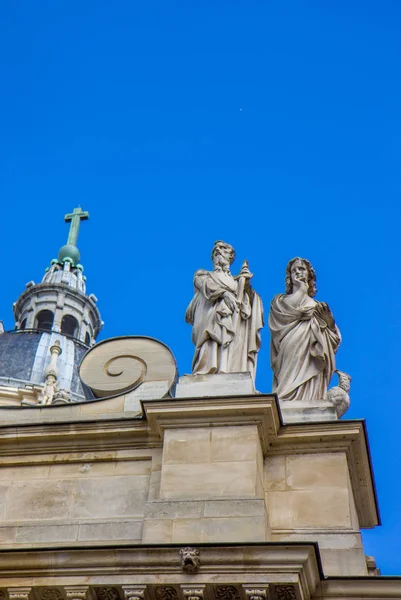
{"type": "Point", "coordinates": [166, 593]}
{"type": "Point", "coordinates": [285, 592]}
{"type": "Point", "coordinates": [196, 593]}
{"type": "Point", "coordinates": [20, 593]}
{"type": "Point", "coordinates": [51, 594]}
{"type": "Point", "coordinates": [259, 593]}
{"type": "Point", "coordinates": [76, 592]}
{"type": "Point", "coordinates": [133, 592]}
{"type": "Point", "coordinates": [190, 560]}
{"type": "Point", "coordinates": [107, 593]}
{"type": "Point", "coordinates": [226, 592]}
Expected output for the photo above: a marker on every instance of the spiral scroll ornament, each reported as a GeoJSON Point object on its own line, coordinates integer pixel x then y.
{"type": "Point", "coordinates": [119, 365]}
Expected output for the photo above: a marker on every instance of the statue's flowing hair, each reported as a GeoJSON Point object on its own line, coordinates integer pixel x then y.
{"type": "Point", "coordinates": [311, 277]}
{"type": "Point", "coordinates": [232, 251]}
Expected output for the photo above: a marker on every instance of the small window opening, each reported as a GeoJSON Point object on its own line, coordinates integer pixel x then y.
{"type": "Point", "coordinates": [69, 326]}
{"type": "Point", "coordinates": [44, 320]}
{"type": "Point", "coordinates": [87, 339]}
{"type": "Point", "coordinates": [23, 324]}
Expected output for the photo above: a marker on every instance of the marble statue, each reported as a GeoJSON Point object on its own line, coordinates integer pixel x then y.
{"type": "Point", "coordinates": [304, 337]}
{"type": "Point", "coordinates": [226, 315]}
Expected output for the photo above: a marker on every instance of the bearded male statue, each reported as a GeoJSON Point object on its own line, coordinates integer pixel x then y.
{"type": "Point", "coordinates": [304, 337]}
{"type": "Point", "coordinates": [226, 315]}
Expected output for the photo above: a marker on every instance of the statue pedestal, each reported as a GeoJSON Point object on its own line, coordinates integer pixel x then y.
{"type": "Point", "coordinates": [214, 385]}
{"type": "Point", "coordinates": [311, 412]}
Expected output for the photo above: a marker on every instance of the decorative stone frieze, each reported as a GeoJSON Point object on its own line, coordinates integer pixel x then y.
{"type": "Point", "coordinates": [226, 592]}
{"type": "Point", "coordinates": [167, 592]}
{"type": "Point", "coordinates": [285, 592]}
{"type": "Point", "coordinates": [19, 593]}
{"type": "Point", "coordinates": [76, 592]}
{"type": "Point", "coordinates": [107, 593]}
{"type": "Point", "coordinates": [134, 592]}
{"type": "Point", "coordinates": [51, 594]}
{"type": "Point", "coordinates": [259, 593]}
{"type": "Point", "coordinates": [193, 593]}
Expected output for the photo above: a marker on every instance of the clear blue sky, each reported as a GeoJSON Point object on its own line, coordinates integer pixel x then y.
{"type": "Point", "coordinates": [272, 125]}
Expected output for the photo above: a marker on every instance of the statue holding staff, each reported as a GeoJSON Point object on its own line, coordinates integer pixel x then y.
{"type": "Point", "coordinates": [226, 315]}
{"type": "Point", "coordinates": [304, 337]}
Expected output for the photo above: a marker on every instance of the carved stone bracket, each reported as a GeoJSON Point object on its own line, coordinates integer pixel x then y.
{"type": "Point", "coordinates": [20, 593]}
{"type": "Point", "coordinates": [77, 592]}
{"type": "Point", "coordinates": [134, 592]}
{"type": "Point", "coordinates": [190, 560]}
{"type": "Point", "coordinates": [259, 593]}
{"type": "Point", "coordinates": [286, 592]}
{"type": "Point", "coordinates": [193, 593]}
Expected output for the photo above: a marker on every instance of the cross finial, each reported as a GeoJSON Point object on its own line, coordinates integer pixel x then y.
{"type": "Point", "coordinates": [75, 217]}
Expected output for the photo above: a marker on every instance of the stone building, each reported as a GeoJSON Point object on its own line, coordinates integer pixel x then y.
{"type": "Point", "coordinates": [122, 481]}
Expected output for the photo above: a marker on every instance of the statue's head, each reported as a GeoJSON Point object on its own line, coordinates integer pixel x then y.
{"type": "Point", "coordinates": [300, 268]}
{"type": "Point", "coordinates": [223, 255]}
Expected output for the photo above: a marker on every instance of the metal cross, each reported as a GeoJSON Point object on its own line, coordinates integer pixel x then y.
{"type": "Point", "coordinates": [75, 217]}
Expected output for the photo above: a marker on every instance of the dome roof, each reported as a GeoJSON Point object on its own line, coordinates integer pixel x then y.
{"type": "Point", "coordinates": [25, 354]}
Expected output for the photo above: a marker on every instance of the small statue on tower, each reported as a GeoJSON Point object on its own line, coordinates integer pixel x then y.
{"type": "Point", "coordinates": [226, 315]}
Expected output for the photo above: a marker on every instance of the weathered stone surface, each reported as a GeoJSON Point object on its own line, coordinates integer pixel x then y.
{"type": "Point", "coordinates": [107, 532]}
{"type": "Point", "coordinates": [39, 534]}
{"type": "Point", "coordinates": [215, 385]}
{"type": "Point", "coordinates": [114, 497]}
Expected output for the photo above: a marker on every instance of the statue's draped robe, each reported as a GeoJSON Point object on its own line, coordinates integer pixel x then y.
{"type": "Point", "coordinates": [225, 342]}
{"type": "Point", "coordinates": [302, 351]}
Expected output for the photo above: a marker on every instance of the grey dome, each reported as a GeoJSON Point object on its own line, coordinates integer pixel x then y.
{"type": "Point", "coordinates": [25, 354]}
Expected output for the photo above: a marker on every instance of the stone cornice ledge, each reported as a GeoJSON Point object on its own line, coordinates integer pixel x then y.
{"type": "Point", "coordinates": [295, 565]}
{"type": "Point", "coordinates": [260, 410]}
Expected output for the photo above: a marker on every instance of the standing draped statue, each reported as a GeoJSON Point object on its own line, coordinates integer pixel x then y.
{"type": "Point", "coordinates": [226, 315]}
{"type": "Point", "coordinates": [304, 337]}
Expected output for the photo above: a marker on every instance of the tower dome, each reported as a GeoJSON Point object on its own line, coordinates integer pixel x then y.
{"type": "Point", "coordinates": [56, 322]}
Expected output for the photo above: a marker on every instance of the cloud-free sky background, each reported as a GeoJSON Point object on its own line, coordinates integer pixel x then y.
{"type": "Point", "coordinates": [272, 125]}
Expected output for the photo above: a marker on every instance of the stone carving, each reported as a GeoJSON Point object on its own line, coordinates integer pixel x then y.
{"type": "Point", "coordinates": [51, 373]}
{"type": "Point", "coordinates": [227, 592]}
{"type": "Point", "coordinates": [304, 337]}
{"type": "Point", "coordinates": [51, 594]}
{"type": "Point", "coordinates": [226, 315]}
{"type": "Point", "coordinates": [256, 594]}
{"type": "Point", "coordinates": [193, 594]}
{"type": "Point", "coordinates": [166, 593]}
{"type": "Point", "coordinates": [107, 593]}
{"type": "Point", "coordinates": [190, 561]}
{"type": "Point", "coordinates": [22, 593]}
{"type": "Point", "coordinates": [134, 593]}
{"type": "Point", "coordinates": [119, 365]}
{"type": "Point", "coordinates": [339, 394]}
{"type": "Point", "coordinates": [286, 592]}
{"type": "Point", "coordinates": [76, 592]}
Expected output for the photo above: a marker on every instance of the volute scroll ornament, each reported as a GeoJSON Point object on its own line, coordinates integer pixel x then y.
{"type": "Point", "coordinates": [119, 365]}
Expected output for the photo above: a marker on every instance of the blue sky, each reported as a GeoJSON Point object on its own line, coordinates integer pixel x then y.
{"type": "Point", "coordinates": [272, 125]}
